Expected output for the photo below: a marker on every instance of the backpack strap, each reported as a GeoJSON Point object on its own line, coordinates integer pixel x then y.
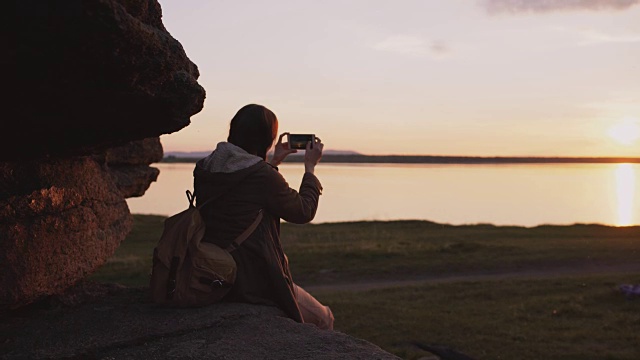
{"type": "Point", "coordinates": [191, 197]}
{"type": "Point", "coordinates": [240, 239]}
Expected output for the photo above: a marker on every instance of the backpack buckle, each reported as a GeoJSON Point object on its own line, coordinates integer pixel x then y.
{"type": "Point", "coordinates": [215, 283]}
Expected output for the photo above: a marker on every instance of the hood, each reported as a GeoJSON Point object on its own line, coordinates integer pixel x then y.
{"type": "Point", "coordinates": [228, 158]}
{"type": "Point", "coordinates": [225, 167]}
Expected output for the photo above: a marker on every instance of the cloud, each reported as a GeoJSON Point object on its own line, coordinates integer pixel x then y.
{"type": "Point", "coordinates": [546, 6]}
{"type": "Point", "coordinates": [412, 45]}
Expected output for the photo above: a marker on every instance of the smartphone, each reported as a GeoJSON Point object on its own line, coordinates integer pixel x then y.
{"type": "Point", "coordinates": [299, 141]}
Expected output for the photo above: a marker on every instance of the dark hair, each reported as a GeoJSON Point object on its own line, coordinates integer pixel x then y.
{"type": "Point", "coordinates": [253, 128]}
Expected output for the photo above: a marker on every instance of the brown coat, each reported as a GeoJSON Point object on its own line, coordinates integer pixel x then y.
{"type": "Point", "coordinates": [263, 270]}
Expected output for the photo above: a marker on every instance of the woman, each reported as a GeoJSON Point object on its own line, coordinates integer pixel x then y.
{"type": "Point", "coordinates": [245, 183]}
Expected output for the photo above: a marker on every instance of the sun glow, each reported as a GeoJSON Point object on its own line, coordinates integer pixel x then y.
{"type": "Point", "coordinates": [626, 132]}
{"type": "Point", "coordinates": [625, 186]}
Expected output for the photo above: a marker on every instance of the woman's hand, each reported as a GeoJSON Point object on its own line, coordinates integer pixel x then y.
{"type": "Point", "coordinates": [312, 155]}
{"type": "Point", "coordinates": [281, 151]}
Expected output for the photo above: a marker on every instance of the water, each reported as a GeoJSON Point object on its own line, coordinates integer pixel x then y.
{"type": "Point", "coordinates": [524, 195]}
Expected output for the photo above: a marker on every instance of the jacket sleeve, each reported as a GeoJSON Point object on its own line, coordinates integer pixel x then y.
{"type": "Point", "coordinates": [290, 205]}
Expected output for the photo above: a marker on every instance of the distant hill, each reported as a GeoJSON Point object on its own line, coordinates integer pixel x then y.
{"type": "Point", "coordinates": [187, 154]}
{"type": "Point", "coordinates": [331, 152]}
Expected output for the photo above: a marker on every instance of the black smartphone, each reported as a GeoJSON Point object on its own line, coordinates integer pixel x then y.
{"type": "Point", "coordinates": [299, 141]}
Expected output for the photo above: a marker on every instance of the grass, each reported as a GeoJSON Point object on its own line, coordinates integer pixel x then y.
{"type": "Point", "coordinates": [579, 317]}
{"type": "Point", "coordinates": [347, 252]}
{"type": "Point", "coordinates": [572, 318]}
{"type": "Point", "coordinates": [357, 251]}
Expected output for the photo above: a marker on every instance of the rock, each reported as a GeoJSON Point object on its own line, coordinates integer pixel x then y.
{"type": "Point", "coordinates": [59, 220]}
{"type": "Point", "coordinates": [95, 74]}
{"type": "Point", "coordinates": [141, 152]}
{"type": "Point", "coordinates": [98, 81]}
{"type": "Point", "coordinates": [115, 322]}
{"type": "Point", "coordinates": [128, 165]}
{"type": "Point", "coordinates": [133, 181]}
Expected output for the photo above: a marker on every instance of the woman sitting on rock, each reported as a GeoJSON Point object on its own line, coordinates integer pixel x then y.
{"type": "Point", "coordinates": [245, 183]}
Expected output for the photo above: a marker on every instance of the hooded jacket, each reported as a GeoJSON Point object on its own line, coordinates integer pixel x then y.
{"type": "Point", "coordinates": [243, 184]}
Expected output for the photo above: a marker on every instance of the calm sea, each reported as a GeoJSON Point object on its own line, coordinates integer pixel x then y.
{"type": "Point", "coordinates": [525, 195]}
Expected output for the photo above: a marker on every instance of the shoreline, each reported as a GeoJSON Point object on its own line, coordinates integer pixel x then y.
{"type": "Point", "coordinates": [429, 159]}
{"type": "Point", "coordinates": [443, 225]}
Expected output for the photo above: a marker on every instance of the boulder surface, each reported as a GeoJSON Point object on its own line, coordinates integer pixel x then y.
{"type": "Point", "coordinates": [115, 322]}
{"type": "Point", "coordinates": [59, 220]}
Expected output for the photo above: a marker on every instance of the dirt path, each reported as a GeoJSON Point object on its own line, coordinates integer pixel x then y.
{"type": "Point", "coordinates": [546, 273]}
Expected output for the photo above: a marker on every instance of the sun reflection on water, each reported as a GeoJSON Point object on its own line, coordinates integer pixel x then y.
{"type": "Point", "coordinates": [625, 189]}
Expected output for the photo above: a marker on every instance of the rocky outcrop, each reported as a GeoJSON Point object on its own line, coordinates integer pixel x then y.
{"type": "Point", "coordinates": [129, 165]}
{"type": "Point", "coordinates": [119, 323]}
{"type": "Point", "coordinates": [95, 74]}
{"type": "Point", "coordinates": [99, 81]}
{"type": "Point", "coordinates": [63, 219]}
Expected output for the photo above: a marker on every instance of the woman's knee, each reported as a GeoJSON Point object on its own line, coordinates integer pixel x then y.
{"type": "Point", "coordinates": [322, 317]}
{"type": "Point", "coordinates": [330, 319]}
{"type": "Point", "coordinates": [313, 311]}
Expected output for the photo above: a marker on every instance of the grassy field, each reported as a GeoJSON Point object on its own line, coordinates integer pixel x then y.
{"type": "Point", "coordinates": [580, 318]}
{"type": "Point", "coordinates": [570, 317]}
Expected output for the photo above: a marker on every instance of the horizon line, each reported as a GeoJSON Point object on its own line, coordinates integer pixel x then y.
{"type": "Point", "coordinates": [434, 159]}
{"type": "Point", "coordinates": [354, 153]}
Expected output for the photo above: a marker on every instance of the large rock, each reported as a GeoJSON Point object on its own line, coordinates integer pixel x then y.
{"type": "Point", "coordinates": [128, 165]}
{"type": "Point", "coordinates": [59, 221]}
{"type": "Point", "coordinates": [98, 81]}
{"type": "Point", "coordinates": [94, 74]}
{"type": "Point", "coordinates": [121, 324]}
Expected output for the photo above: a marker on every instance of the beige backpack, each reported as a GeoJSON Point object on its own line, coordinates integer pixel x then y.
{"type": "Point", "coordinates": [187, 272]}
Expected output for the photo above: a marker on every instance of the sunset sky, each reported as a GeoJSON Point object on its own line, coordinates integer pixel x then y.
{"type": "Point", "coordinates": [433, 77]}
